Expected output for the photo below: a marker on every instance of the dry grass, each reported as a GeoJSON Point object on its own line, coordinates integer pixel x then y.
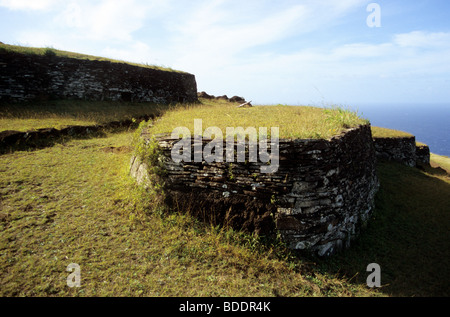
{"type": "Point", "coordinates": [441, 161]}
{"type": "Point", "coordinates": [62, 113]}
{"type": "Point", "coordinates": [378, 132]}
{"type": "Point", "coordinates": [299, 122]}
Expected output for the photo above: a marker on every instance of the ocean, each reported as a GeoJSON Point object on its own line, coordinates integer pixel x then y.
{"type": "Point", "coordinates": [429, 123]}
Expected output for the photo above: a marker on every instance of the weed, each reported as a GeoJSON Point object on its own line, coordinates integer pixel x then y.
{"type": "Point", "coordinates": [49, 52]}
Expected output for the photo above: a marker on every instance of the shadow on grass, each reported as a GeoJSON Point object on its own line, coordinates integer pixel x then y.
{"type": "Point", "coordinates": [408, 235]}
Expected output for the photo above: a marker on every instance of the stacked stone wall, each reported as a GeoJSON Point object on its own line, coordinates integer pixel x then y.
{"type": "Point", "coordinates": [317, 200]}
{"type": "Point", "coordinates": [403, 150]}
{"type": "Point", "coordinates": [28, 77]}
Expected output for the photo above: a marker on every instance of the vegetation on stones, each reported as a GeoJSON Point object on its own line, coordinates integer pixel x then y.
{"type": "Point", "coordinates": [340, 117]}
{"type": "Point", "coordinates": [50, 52]}
{"type": "Point", "coordinates": [149, 152]}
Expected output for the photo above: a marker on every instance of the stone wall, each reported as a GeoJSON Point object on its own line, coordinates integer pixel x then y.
{"type": "Point", "coordinates": [25, 77]}
{"type": "Point", "coordinates": [18, 140]}
{"type": "Point", "coordinates": [402, 150]}
{"type": "Point", "coordinates": [422, 155]}
{"type": "Point", "coordinates": [318, 199]}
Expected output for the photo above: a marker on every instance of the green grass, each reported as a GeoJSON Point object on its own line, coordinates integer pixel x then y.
{"type": "Point", "coordinates": [378, 132]}
{"type": "Point", "coordinates": [294, 122]}
{"type": "Point", "coordinates": [62, 113]}
{"type": "Point", "coordinates": [48, 51]}
{"type": "Point", "coordinates": [24, 125]}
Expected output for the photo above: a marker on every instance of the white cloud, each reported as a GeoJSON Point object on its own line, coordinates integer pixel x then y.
{"type": "Point", "coordinates": [112, 19]}
{"type": "Point", "coordinates": [348, 72]}
{"type": "Point", "coordinates": [137, 52]}
{"type": "Point", "coordinates": [423, 39]}
{"type": "Point", "coordinates": [37, 39]}
{"type": "Point", "coordinates": [236, 47]}
{"type": "Point", "coordinates": [361, 50]}
{"type": "Point", "coordinates": [108, 19]}
{"type": "Point", "coordinates": [28, 4]}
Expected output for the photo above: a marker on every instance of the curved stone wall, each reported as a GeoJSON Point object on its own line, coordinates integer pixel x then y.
{"type": "Point", "coordinates": [317, 200]}
{"type": "Point", "coordinates": [27, 77]}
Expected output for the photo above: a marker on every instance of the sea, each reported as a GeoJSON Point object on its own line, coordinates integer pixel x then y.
{"type": "Point", "coordinates": [430, 123]}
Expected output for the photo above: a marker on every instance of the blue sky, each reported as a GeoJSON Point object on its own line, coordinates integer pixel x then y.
{"type": "Point", "coordinates": [290, 52]}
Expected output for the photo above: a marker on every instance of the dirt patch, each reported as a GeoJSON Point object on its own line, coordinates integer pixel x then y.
{"type": "Point", "coordinates": [117, 150]}
{"type": "Point", "coordinates": [3, 217]}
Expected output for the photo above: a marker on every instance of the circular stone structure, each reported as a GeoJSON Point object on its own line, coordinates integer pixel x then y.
{"type": "Point", "coordinates": [317, 200]}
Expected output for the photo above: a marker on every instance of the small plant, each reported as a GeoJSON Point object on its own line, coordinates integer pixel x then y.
{"type": "Point", "coordinates": [345, 118]}
{"type": "Point", "coordinates": [230, 172]}
{"type": "Point", "coordinates": [273, 200]}
{"type": "Point", "coordinates": [49, 52]}
{"type": "Point", "coordinates": [149, 152]}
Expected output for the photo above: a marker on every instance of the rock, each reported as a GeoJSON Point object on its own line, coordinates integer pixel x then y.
{"type": "Point", "coordinates": [422, 155]}
{"type": "Point", "coordinates": [204, 95]}
{"type": "Point", "coordinates": [224, 97]}
{"type": "Point", "coordinates": [237, 99]}
{"type": "Point", "coordinates": [10, 138]}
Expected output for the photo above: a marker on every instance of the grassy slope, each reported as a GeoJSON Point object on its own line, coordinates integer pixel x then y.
{"type": "Point", "coordinates": [378, 132]}
{"type": "Point", "coordinates": [440, 161]}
